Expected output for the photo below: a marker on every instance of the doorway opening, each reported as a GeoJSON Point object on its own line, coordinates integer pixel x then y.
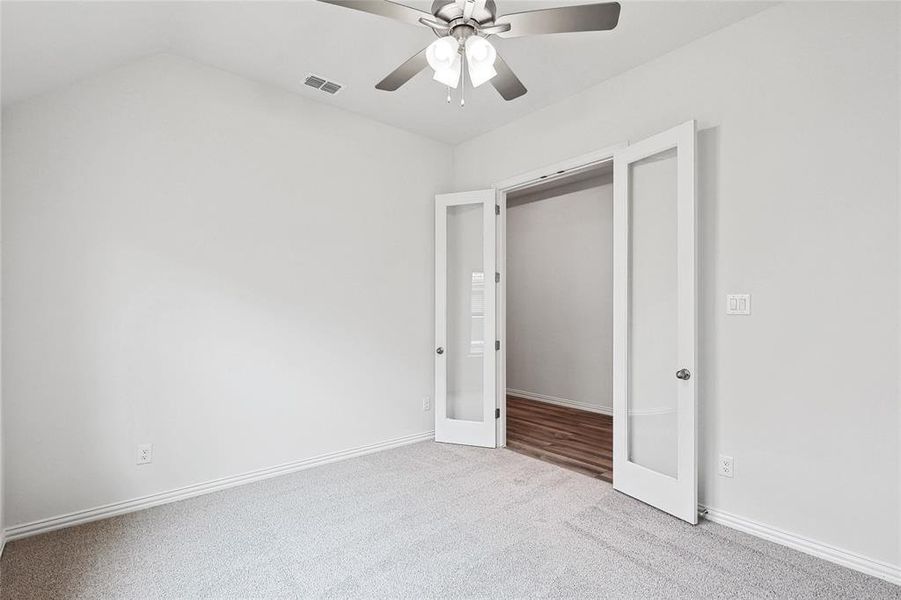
{"type": "Point", "coordinates": [559, 320]}
{"type": "Point", "coordinates": [654, 313]}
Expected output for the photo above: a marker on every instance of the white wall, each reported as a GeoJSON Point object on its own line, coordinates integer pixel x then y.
{"type": "Point", "coordinates": [560, 293]}
{"type": "Point", "coordinates": [2, 467]}
{"type": "Point", "coordinates": [798, 188]}
{"type": "Point", "coordinates": [898, 101]}
{"type": "Point", "coordinates": [235, 274]}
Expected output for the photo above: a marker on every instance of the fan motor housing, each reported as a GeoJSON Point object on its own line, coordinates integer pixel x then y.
{"type": "Point", "coordinates": [450, 11]}
{"type": "Point", "coordinates": [462, 31]}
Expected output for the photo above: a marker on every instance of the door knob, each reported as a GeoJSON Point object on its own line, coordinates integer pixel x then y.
{"type": "Point", "coordinates": [683, 374]}
{"type": "Point", "coordinates": [440, 351]}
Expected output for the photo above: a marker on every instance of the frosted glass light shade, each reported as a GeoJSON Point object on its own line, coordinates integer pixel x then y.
{"type": "Point", "coordinates": [443, 56]}
{"type": "Point", "coordinates": [451, 75]}
{"type": "Point", "coordinates": [442, 53]}
{"type": "Point", "coordinates": [480, 57]}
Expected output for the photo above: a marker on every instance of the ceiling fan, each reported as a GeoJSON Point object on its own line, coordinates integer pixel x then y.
{"type": "Point", "coordinates": [463, 27]}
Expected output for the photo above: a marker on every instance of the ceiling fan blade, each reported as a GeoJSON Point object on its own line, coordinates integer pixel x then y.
{"type": "Point", "coordinates": [506, 82]}
{"type": "Point", "coordinates": [436, 25]}
{"type": "Point", "coordinates": [494, 29]}
{"type": "Point", "coordinates": [565, 19]}
{"type": "Point", "coordinates": [403, 73]}
{"type": "Point", "coordinates": [384, 8]}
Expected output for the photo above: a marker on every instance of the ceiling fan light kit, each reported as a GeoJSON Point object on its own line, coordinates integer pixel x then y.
{"type": "Point", "coordinates": [463, 27]}
{"type": "Point", "coordinates": [443, 56]}
{"type": "Point", "coordinates": [480, 57]}
{"type": "Point", "coordinates": [449, 76]}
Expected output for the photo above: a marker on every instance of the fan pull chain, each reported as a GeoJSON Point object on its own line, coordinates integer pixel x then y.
{"type": "Point", "coordinates": [463, 84]}
{"type": "Point", "coordinates": [448, 95]}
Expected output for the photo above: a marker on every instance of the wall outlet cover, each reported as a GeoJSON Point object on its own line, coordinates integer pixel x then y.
{"type": "Point", "coordinates": [725, 467]}
{"type": "Point", "coordinates": [144, 454]}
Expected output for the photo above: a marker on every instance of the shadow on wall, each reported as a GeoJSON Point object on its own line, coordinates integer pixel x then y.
{"type": "Point", "coordinates": [708, 141]}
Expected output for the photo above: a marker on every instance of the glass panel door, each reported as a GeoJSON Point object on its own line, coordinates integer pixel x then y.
{"type": "Point", "coordinates": [465, 318]}
{"type": "Point", "coordinates": [655, 354]}
{"type": "Point", "coordinates": [465, 296]}
{"type": "Point", "coordinates": [653, 314]}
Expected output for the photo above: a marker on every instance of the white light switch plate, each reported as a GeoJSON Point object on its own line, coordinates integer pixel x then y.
{"type": "Point", "coordinates": [738, 304]}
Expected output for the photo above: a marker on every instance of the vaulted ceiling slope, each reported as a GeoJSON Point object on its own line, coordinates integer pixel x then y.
{"type": "Point", "coordinates": [50, 44]}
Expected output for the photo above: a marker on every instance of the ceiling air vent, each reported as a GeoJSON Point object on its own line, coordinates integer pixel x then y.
{"type": "Point", "coordinates": [330, 87]}
{"type": "Point", "coordinates": [314, 81]}
{"type": "Point", "coordinates": [322, 84]}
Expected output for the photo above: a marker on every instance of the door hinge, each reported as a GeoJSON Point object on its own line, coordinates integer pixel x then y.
{"type": "Point", "coordinates": [497, 344]}
{"type": "Point", "coordinates": [497, 209]}
{"type": "Point", "coordinates": [497, 278]}
{"type": "Point", "coordinates": [497, 413]}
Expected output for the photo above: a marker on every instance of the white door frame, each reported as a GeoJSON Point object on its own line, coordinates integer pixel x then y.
{"type": "Point", "coordinates": [542, 175]}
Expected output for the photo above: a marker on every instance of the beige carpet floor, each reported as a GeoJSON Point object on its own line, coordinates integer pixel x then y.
{"type": "Point", "coordinates": [423, 521]}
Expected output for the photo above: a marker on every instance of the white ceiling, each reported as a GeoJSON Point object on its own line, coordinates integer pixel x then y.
{"type": "Point", "coordinates": [49, 44]}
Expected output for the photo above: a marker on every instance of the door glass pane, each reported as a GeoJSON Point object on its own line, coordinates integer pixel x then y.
{"type": "Point", "coordinates": [652, 400]}
{"type": "Point", "coordinates": [465, 312]}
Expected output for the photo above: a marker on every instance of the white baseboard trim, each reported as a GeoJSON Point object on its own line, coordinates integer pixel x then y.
{"type": "Point", "coordinates": [127, 506]}
{"type": "Point", "coordinates": [882, 570]}
{"type": "Point", "coordinates": [560, 401]}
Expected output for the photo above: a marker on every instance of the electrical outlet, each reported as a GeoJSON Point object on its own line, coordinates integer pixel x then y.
{"type": "Point", "coordinates": [144, 454]}
{"type": "Point", "coordinates": [426, 403]}
{"type": "Point", "coordinates": [724, 466]}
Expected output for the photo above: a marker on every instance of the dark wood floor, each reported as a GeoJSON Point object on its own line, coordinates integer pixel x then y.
{"type": "Point", "coordinates": [572, 438]}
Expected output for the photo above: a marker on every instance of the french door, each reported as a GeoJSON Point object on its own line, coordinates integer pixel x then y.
{"type": "Point", "coordinates": [465, 314]}
{"type": "Point", "coordinates": [654, 333]}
